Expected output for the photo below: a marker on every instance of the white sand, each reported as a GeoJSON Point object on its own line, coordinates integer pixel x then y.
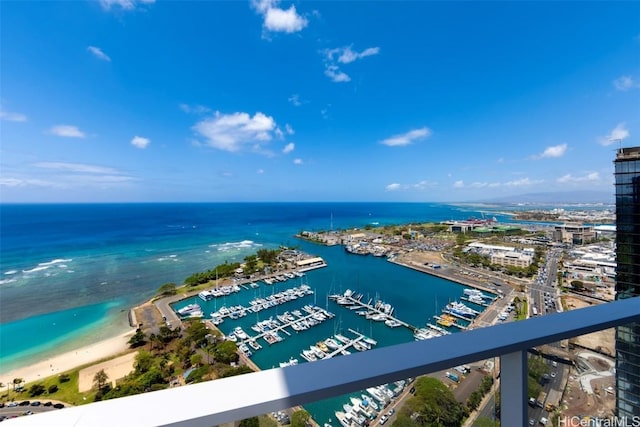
{"type": "Point", "coordinates": [57, 364]}
{"type": "Point", "coordinates": [115, 369]}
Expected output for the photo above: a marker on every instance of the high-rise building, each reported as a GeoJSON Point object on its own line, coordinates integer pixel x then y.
{"type": "Point", "coordinates": [627, 182]}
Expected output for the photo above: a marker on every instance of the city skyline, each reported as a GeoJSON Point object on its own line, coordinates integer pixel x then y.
{"type": "Point", "coordinates": [125, 100]}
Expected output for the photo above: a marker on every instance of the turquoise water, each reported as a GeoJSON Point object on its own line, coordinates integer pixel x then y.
{"type": "Point", "coordinates": [39, 337]}
{"type": "Point", "coordinates": [70, 273]}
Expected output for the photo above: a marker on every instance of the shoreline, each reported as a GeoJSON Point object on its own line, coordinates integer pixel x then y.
{"type": "Point", "coordinates": [69, 360]}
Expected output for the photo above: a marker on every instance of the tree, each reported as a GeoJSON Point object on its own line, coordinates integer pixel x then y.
{"type": "Point", "coordinates": [434, 404]}
{"type": "Point", "coordinates": [100, 379]}
{"type": "Point", "coordinates": [37, 390]}
{"type": "Point", "coordinates": [226, 352]}
{"type": "Point", "coordinates": [300, 418]}
{"type": "Point", "coordinates": [52, 388]}
{"type": "Point", "coordinates": [167, 289]}
{"type": "Point", "coordinates": [137, 339]}
{"type": "Point", "coordinates": [17, 383]}
{"type": "Point", "coordinates": [63, 378]}
{"type": "Point", "coordinates": [143, 362]}
{"type": "Point", "coordinates": [250, 422]}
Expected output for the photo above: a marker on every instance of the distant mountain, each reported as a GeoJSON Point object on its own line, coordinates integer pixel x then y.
{"type": "Point", "coordinates": [562, 197]}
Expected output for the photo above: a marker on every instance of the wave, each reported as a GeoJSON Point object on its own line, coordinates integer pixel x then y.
{"type": "Point", "coordinates": [245, 244]}
{"type": "Point", "coordinates": [5, 281]}
{"type": "Point", "coordinates": [11, 272]}
{"type": "Point", "coordinates": [55, 261]}
{"type": "Point", "coordinates": [33, 270]}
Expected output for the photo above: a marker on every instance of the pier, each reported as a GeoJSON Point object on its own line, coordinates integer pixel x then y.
{"type": "Point", "coordinates": [348, 301]}
{"type": "Point", "coordinates": [312, 312]}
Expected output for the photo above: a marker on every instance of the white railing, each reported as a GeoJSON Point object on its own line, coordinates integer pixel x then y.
{"type": "Point", "coordinates": [216, 402]}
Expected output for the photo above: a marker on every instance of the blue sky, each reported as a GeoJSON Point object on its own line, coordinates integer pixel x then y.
{"type": "Point", "coordinates": [130, 100]}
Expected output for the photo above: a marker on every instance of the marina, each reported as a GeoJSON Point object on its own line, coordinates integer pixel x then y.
{"type": "Point", "coordinates": [275, 329]}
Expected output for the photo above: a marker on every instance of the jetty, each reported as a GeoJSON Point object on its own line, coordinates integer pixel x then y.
{"type": "Point", "coordinates": [378, 311]}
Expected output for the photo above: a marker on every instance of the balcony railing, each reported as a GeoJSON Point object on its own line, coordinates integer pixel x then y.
{"type": "Point", "coordinates": [216, 402]}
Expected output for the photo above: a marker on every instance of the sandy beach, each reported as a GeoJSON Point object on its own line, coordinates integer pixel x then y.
{"type": "Point", "coordinates": [72, 359]}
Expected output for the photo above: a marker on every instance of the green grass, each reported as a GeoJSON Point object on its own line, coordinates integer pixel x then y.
{"type": "Point", "coordinates": [67, 391]}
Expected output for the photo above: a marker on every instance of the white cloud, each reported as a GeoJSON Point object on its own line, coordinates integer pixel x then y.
{"type": "Point", "coordinates": [347, 56]}
{"type": "Point", "coordinates": [289, 129]}
{"type": "Point", "coordinates": [279, 20]}
{"type": "Point", "coordinates": [523, 182]}
{"type": "Point", "coordinates": [407, 138]}
{"type": "Point", "coordinates": [625, 83]}
{"type": "Point", "coordinates": [124, 4]}
{"type": "Point", "coordinates": [334, 73]}
{"type": "Point", "coordinates": [67, 131]}
{"type": "Point", "coordinates": [297, 161]}
{"type": "Point", "coordinates": [343, 55]}
{"type": "Point", "coordinates": [140, 142]}
{"type": "Point", "coordinates": [295, 100]}
{"type": "Point", "coordinates": [230, 132]}
{"type": "Point", "coordinates": [196, 109]}
{"type": "Point", "coordinates": [590, 177]}
{"type": "Point", "coordinates": [98, 53]}
{"type": "Point", "coordinates": [618, 134]}
{"type": "Point", "coordinates": [12, 117]}
{"type": "Point", "coordinates": [424, 185]}
{"type": "Point", "coordinates": [553, 151]}
{"type": "Point", "coordinates": [76, 167]}
{"type": "Point", "coordinates": [289, 148]}
{"type": "Point", "coordinates": [28, 182]}
{"type": "Point", "coordinates": [260, 171]}
{"type": "Point", "coordinates": [393, 187]}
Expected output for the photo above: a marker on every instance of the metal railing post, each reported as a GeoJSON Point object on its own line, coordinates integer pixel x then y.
{"type": "Point", "coordinates": [513, 389]}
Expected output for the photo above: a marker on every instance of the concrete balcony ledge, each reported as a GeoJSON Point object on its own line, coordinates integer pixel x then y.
{"type": "Point", "coordinates": [216, 402]}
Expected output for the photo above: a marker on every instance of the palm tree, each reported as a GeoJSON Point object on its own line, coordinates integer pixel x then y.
{"type": "Point", "coordinates": [17, 382]}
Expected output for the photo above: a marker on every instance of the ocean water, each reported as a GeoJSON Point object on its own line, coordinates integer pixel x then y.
{"type": "Point", "coordinates": [69, 273]}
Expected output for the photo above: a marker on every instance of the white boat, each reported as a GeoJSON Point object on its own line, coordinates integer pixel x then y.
{"type": "Point", "coordinates": [392, 323]}
{"type": "Point", "coordinates": [332, 344]}
{"type": "Point", "coordinates": [290, 362]}
{"type": "Point", "coordinates": [254, 345]}
{"type": "Point", "coordinates": [371, 402]}
{"type": "Point", "coordinates": [370, 341]}
{"type": "Point", "coordinates": [240, 333]}
{"type": "Point", "coordinates": [188, 309]}
{"type": "Point", "coordinates": [346, 422]}
{"type": "Point", "coordinates": [342, 338]}
{"type": "Point", "coordinates": [308, 355]}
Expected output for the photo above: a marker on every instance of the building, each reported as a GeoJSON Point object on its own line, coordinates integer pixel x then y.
{"type": "Point", "coordinates": [513, 259]}
{"type": "Point", "coordinates": [627, 184]}
{"type": "Point", "coordinates": [574, 234]}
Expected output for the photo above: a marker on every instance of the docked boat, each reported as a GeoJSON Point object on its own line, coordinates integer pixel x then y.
{"type": "Point", "coordinates": [308, 355]}
{"type": "Point", "coordinates": [290, 362]}
{"type": "Point", "coordinates": [322, 346]}
{"type": "Point", "coordinates": [370, 402]}
{"type": "Point", "coordinates": [188, 309]}
{"type": "Point", "coordinates": [332, 344]}
{"type": "Point", "coordinates": [369, 340]}
{"type": "Point", "coordinates": [206, 295]}
{"type": "Point", "coordinates": [254, 345]}
{"type": "Point", "coordinates": [392, 323]}
{"type": "Point", "coordinates": [242, 335]}
{"type": "Point", "coordinates": [342, 418]}
{"type": "Point", "coordinates": [342, 338]}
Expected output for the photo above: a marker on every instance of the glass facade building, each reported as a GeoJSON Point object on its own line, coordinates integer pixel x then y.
{"type": "Point", "coordinates": [627, 183]}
